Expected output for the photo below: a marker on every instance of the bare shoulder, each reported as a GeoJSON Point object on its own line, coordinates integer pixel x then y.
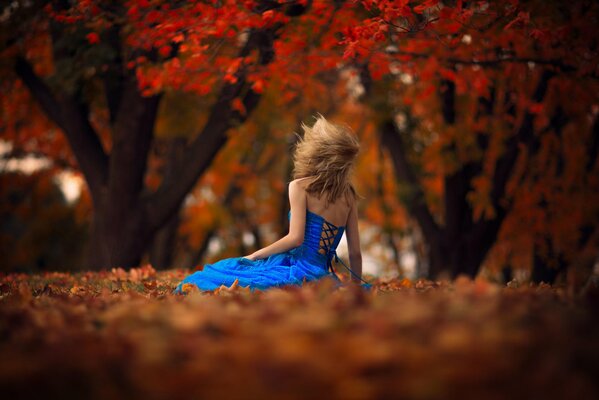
{"type": "Point", "coordinates": [296, 188]}
{"type": "Point", "coordinates": [300, 183]}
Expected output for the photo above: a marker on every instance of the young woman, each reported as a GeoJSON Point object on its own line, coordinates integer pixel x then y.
{"type": "Point", "coordinates": [323, 206]}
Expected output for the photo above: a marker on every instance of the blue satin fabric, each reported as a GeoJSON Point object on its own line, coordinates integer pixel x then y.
{"type": "Point", "coordinates": [293, 267]}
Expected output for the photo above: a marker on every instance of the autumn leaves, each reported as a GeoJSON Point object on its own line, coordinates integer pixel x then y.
{"type": "Point", "coordinates": [123, 334]}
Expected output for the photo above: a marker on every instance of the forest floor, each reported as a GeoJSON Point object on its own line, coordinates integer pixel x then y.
{"type": "Point", "coordinates": [124, 335]}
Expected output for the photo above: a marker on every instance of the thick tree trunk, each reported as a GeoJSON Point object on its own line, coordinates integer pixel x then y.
{"type": "Point", "coordinates": [117, 243]}
{"type": "Point", "coordinates": [542, 272]}
{"type": "Point", "coordinates": [162, 250]}
{"type": "Point", "coordinates": [547, 265]}
{"type": "Point", "coordinates": [548, 262]}
{"type": "Point", "coordinates": [506, 274]}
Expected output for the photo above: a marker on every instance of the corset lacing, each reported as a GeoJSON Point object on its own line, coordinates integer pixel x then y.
{"type": "Point", "coordinates": [329, 232]}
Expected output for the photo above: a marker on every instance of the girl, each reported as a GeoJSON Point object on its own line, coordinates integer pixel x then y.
{"type": "Point", "coordinates": [323, 206]}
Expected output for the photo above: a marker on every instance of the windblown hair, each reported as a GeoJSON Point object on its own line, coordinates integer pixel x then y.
{"type": "Point", "coordinates": [326, 154]}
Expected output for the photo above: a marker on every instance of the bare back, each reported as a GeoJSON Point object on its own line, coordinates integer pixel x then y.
{"type": "Point", "coordinates": [336, 213]}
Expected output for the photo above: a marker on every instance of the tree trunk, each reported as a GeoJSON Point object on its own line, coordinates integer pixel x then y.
{"type": "Point", "coordinates": [117, 243]}
{"type": "Point", "coordinates": [162, 250]}
{"type": "Point", "coordinates": [547, 265]}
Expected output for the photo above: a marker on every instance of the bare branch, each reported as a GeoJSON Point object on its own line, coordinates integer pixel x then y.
{"type": "Point", "coordinates": [71, 116]}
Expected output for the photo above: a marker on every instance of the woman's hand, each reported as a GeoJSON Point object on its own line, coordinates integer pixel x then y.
{"type": "Point", "coordinates": [252, 257]}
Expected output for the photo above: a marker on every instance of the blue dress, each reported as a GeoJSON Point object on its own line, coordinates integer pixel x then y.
{"type": "Point", "coordinates": [310, 261]}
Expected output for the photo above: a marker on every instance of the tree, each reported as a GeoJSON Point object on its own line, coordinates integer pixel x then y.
{"type": "Point", "coordinates": [110, 63]}
{"type": "Point", "coordinates": [499, 72]}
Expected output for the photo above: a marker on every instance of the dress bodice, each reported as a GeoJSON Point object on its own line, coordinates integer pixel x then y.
{"type": "Point", "coordinates": [321, 239]}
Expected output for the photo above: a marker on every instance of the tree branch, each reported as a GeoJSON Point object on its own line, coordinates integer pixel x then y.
{"type": "Point", "coordinates": [71, 116]}
{"type": "Point", "coordinates": [506, 163]}
{"type": "Point", "coordinates": [114, 77]}
{"type": "Point", "coordinates": [40, 91]}
{"type": "Point", "coordinates": [391, 140]}
{"type": "Point", "coordinates": [213, 137]}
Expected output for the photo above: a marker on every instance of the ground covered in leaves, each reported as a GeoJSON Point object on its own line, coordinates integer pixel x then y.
{"type": "Point", "coordinates": [123, 334]}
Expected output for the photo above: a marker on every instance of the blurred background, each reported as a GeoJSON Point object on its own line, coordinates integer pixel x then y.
{"type": "Point", "coordinates": [161, 131]}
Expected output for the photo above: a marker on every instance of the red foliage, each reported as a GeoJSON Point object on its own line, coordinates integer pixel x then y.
{"type": "Point", "coordinates": [93, 38]}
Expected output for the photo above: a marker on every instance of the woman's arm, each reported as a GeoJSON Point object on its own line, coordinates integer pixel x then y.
{"type": "Point", "coordinates": [295, 237]}
{"type": "Point", "coordinates": [353, 243]}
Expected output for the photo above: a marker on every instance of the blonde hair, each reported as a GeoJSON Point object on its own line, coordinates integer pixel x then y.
{"type": "Point", "coordinates": [326, 154]}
